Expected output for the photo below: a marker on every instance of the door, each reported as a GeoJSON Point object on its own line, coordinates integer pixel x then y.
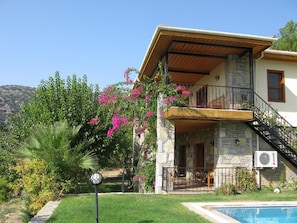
{"type": "Point", "coordinates": [199, 150]}
{"type": "Point", "coordinates": [182, 160]}
{"type": "Point", "coordinates": [201, 97]}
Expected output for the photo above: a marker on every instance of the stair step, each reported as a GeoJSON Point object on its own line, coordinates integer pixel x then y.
{"type": "Point", "coordinates": [276, 136]}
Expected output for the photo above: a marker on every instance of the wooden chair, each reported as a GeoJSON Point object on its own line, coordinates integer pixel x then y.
{"type": "Point", "coordinates": [200, 177]}
{"type": "Point", "coordinates": [210, 174]}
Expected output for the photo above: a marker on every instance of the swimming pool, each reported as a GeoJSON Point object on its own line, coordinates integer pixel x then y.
{"type": "Point", "coordinates": [243, 212]}
{"type": "Point", "coordinates": [271, 214]}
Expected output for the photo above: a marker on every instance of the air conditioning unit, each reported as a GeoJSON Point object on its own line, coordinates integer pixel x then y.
{"type": "Point", "coordinates": [265, 159]}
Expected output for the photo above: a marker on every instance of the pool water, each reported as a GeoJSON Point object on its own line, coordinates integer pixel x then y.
{"type": "Point", "coordinates": [269, 214]}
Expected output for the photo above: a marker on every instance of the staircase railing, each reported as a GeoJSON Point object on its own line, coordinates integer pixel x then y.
{"type": "Point", "coordinates": [274, 129]}
{"type": "Point", "coordinates": [277, 124]}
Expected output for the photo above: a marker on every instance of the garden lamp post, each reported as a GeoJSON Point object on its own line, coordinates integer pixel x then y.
{"type": "Point", "coordinates": [96, 179]}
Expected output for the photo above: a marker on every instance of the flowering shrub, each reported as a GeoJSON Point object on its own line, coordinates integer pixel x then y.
{"type": "Point", "coordinates": [137, 107]}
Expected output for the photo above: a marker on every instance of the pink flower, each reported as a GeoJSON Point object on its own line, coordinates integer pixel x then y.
{"type": "Point", "coordinates": [149, 114]}
{"type": "Point", "coordinates": [117, 122]}
{"type": "Point", "coordinates": [186, 92]}
{"type": "Point", "coordinates": [165, 101]}
{"type": "Point", "coordinates": [127, 76]}
{"type": "Point", "coordinates": [180, 88]}
{"type": "Point", "coordinates": [136, 93]}
{"type": "Point", "coordinates": [94, 121]}
{"type": "Point", "coordinates": [147, 99]}
{"type": "Point", "coordinates": [107, 96]}
{"type": "Point", "coordinates": [139, 130]}
{"type": "Point", "coordinates": [145, 124]}
{"type": "Point", "coordinates": [172, 98]}
{"type": "Point", "coordinates": [110, 133]}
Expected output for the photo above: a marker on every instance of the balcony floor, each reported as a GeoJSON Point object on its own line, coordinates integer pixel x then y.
{"type": "Point", "coordinates": [189, 119]}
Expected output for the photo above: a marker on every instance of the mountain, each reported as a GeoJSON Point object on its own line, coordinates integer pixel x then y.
{"type": "Point", "coordinates": [11, 99]}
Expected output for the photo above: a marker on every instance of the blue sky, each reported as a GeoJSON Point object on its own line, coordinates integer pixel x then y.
{"type": "Point", "coordinates": [102, 38]}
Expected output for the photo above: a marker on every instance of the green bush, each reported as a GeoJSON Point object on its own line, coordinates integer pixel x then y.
{"type": "Point", "coordinates": [226, 189]}
{"type": "Point", "coordinates": [293, 185]}
{"type": "Point", "coordinates": [37, 185]}
{"type": "Point", "coordinates": [4, 190]}
{"type": "Point", "coordinates": [149, 170]}
{"type": "Point", "coordinates": [245, 180]}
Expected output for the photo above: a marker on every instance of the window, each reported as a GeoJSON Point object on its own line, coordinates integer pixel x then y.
{"type": "Point", "coordinates": [276, 86]}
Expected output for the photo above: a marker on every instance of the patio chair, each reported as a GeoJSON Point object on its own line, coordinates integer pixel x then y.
{"type": "Point", "coordinates": [200, 177]}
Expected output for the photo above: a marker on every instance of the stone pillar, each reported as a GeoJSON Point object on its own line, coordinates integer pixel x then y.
{"type": "Point", "coordinates": [165, 145]}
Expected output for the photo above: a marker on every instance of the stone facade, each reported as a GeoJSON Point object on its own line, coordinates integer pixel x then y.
{"type": "Point", "coordinates": [165, 143]}
{"type": "Point", "coordinates": [221, 149]}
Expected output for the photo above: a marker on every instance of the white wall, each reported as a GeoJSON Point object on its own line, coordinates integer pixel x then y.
{"type": "Point", "coordinates": [288, 109]}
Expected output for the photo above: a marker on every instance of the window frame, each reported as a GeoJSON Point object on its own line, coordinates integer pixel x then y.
{"type": "Point", "coordinates": [281, 86]}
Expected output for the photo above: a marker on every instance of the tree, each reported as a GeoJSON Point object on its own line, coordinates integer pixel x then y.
{"type": "Point", "coordinates": [55, 100]}
{"type": "Point", "coordinates": [135, 109]}
{"type": "Point", "coordinates": [53, 144]}
{"type": "Point", "coordinates": [49, 165]}
{"type": "Point", "coordinates": [287, 38]}
{"type": "Point", "coordinates": [77, 102]}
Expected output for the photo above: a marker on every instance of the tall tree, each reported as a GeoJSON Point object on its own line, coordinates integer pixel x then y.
{"type": "Point", "coordinates": [77, 102]}
{"type": "Point", "coordinates": [287, 38]}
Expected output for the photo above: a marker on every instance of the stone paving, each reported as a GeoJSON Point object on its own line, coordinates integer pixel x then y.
{"type": "Point", "coordinates": [45, 213]}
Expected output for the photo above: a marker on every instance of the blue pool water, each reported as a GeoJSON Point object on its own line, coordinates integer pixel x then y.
{"type": "Point", "coordinates": [269, 214]}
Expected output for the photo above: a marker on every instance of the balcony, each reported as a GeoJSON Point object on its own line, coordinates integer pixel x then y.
{"type": "Point", "coordinates": [204, 105]}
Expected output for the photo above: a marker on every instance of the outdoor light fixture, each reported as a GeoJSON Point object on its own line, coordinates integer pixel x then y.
{"type": "Point", "coordinates": [237, 141]}
{"type": "Point", "coordinates": [96, 179]}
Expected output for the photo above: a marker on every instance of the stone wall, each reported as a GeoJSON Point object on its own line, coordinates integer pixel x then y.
{"type": "Point", "coordinates": [228, 153]}
{"type": "Point", "coordinates": [221, 149]}
{"type": "Point", "coordinates": [237, 71]}
{"type": "Point", "coordinates": [205, 136]}
{"type": "Point", "coordinates": [285, 172]}
{"type": "Point", "coordinates": [165, 143]}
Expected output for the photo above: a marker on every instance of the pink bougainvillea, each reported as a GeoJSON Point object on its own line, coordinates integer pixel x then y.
{"type": "Point", "coordinates": [117, 121]}
{"type": "Point", "coordinates": [94, 121]}
{"type": "Point", "coordinates": [149, 114]}
{"type": "Point", "coordinates": [172, 98]}
{"type": "Point", "coordinates": [180, 88]}
{"type": "Point", "coordinates": [127, 76]}
{"type": "Point", "coordinates": [186, 92]}
{"type": "Point", "coordinates": [107, 97]}
{"type": "Point", "coordinates": [136, 93]}
{"type": "Point", "coordinates": [166, 101]}
{"type": "Point", "coordinates": [147, 99]}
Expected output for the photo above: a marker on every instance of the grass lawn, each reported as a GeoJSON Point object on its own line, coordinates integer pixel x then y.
{"type": "Point", "coordinates": [148, 208]}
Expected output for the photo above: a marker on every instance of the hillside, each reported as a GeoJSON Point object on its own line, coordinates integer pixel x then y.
{"type": "Point", "coordinates": [11, 99]}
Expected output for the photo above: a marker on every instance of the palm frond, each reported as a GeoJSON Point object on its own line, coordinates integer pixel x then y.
{"type": "Point", "coordinates": [88, 161]}
{"type": "Point", "coordinates": [24, 153]}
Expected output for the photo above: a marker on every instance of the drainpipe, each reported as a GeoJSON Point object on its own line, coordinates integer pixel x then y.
{"type": "Point", "coordinates": [258, 171]}
{"type": "Point", "coordinates": [251, 75]}
{"type": "Point", "coordinates": [166, 69]}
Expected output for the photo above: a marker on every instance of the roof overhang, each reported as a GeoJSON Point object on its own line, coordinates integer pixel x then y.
{"type": "Point", "coordinates": [195, 53]}
{"type": "Point", "coordinates": [280, 55]}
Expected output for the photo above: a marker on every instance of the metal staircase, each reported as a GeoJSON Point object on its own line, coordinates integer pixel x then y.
{"type": "Point", "coordinates": [274, 129]}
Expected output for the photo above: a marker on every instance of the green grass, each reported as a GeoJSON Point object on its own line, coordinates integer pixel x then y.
{"type": "Point", "coordinates": [148, 208]}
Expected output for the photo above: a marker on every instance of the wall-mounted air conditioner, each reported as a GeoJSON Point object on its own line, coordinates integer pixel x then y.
{"type": "Point", "coordinates": [265, 159]}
